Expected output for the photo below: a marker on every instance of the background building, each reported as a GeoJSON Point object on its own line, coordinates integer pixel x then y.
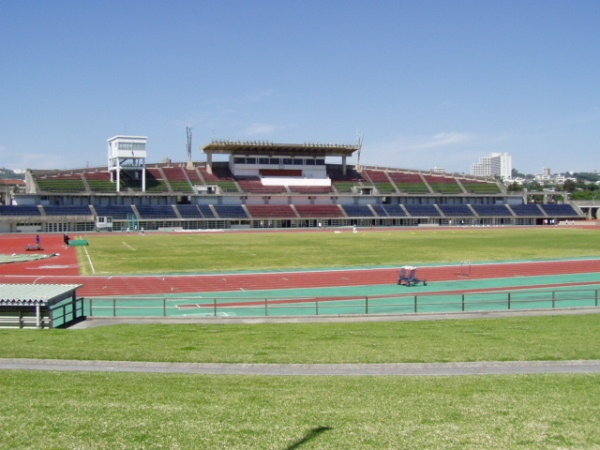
{"type": "Point", "coordinates": [497, 164]}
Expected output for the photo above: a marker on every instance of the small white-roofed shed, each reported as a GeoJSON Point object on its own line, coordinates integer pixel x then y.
{"type": "Point", "coordinates": [39, 305]}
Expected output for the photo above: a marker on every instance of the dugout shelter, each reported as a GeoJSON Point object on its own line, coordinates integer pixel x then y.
{"type": "Point", "coordinates": [39, 305]}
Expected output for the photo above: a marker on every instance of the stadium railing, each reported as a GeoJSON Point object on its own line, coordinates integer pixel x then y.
{"type": "Point", "coordinates": [359, 305]}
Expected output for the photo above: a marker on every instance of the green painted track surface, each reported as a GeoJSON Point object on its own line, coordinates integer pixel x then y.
{"type": "Point", "coordinates": [515, 293]}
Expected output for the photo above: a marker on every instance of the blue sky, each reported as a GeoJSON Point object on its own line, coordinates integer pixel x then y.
{"type": "Point", "coordinates": [428, 84]}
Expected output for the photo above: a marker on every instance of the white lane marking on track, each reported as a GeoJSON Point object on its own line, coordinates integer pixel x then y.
{"type": "Point", "coordinates": [89, 259]}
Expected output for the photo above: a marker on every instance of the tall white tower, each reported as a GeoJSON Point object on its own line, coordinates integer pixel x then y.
{"type": "Point", "coordinates": [127, 154]}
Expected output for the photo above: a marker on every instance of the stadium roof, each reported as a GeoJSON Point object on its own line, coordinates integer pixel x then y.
{"type": "Point", "coordinates": [270, 149]}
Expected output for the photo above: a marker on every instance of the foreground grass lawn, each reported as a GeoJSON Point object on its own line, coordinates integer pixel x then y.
{"type": "Point", "coordinates": [569, 337]}
{"type": "Point", "coordinates": [121, 254]}
{"type": "Point", "coordinates": [136, 411]}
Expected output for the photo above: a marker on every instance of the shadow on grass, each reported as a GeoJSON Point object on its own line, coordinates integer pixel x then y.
{"type": "Point", "coordinates": [307, 437]}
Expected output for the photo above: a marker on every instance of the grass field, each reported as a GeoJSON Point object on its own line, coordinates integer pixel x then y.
{"type": "Point", "coordinates": [216, 252]}
{"type": "Point", "coordinates": [155, 411]}
{"type": "Point", "coordinates": [512, 339]}
{"type": "Point", "coordinates": [148, 411]}
{"type": "Point", "coordinates": [54, 410]}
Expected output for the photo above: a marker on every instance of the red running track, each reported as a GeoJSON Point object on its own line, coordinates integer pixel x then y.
{"type": "Point", "coordinates": [63, 269]}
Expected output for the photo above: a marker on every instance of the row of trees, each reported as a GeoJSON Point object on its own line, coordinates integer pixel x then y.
{"type": "Point", "coordinates": [586, 186]}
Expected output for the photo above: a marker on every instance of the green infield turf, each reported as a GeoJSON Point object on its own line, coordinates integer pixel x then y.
{"type": "Point", "coordinates": [133, 253]}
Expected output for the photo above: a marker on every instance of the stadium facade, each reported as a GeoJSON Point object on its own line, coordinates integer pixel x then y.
{"type": "Point", "coordinates": [261, 185]}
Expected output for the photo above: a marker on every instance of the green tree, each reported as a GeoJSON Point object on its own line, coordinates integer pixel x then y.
{"type": "Point", "coordinates": [569, 186]}
{"type": "Point", "coordinates": [514, 187]}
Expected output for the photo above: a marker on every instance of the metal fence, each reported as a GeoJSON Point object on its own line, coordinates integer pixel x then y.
{"type": "Point", "coordinates": [317, 306]}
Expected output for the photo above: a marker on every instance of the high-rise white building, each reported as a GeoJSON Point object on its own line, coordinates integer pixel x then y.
{"type": "Point", "coordinates": [497, 164]}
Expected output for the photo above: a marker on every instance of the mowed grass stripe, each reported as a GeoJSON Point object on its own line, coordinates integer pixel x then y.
{"type": "Point", "coordinates": [569, 337]}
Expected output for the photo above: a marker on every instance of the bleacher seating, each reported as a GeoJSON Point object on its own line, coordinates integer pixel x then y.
{"type": "Point", "coordinates": [480, 187]}
{"type": "Point", "coordinates": [82, 210]}
{"type": "Point", "coordinates": [422, 210]}
{"type": "Point", "coordinates": [194, 176]}
{"type": "Point", "coordinates": [253, 185]}
{"type": "Point", "coordinates": [100, 181]}
{"type": "Point", "coordinates": [271, 211]}
{"type": "Point", "coordinates": [206, 211]}
{"type": "Point", "coordinates": [130, 182]}
{"type": "Point", "coordinates": [559, 210]}
{"type": "Point", "coordinates": [222, 172]}
{"type": "Point", "coordinates": [379, 211]}
{"type": "Point", "coordinates": [19, 210]}
{"type": "Point", "coordinates": [380, 180]}
{"type": "Point", "coordinates": [527, 210]}
{"type": "Point", "coordinates": [189, 211]}
{"type": "Point", "coordinates": [442, 184]}
{"type": "Point", "coordinates": [358, 211]}
{"type": "Point", "coordinates": [61, 183]}
{"type": "Point", "coordinates": [156, 212]}
{"type": "Point", "coordinates": [319, 211]}
{"type": "Point", "coordinates": [309, 190]}
{"type": "Point", "coordinates": [208, 178]}
{"type": "Point", "coordinates": [177, 179]}
{"type": "Point", "coordinates": [344, 184]}
{"type": "Point", "coordinates": [491, 210]}
{"type": "Point", "coordinates": [221, 177]}
{"type": "Point", "coordinates": [376, 176]}
{"type": "Point", "coordinates": [118, 212]}
{"type": "Point", "coordinates": [391, 193]}
{"type": "Point", "coordinates": [394, 210]}
{"type": "Point", "coordinates": [411, 183]}
{"type": "Point", "coordinates": [334, 172]}
{"type": "Point", "coordinates": [345, 187]}
{"type": "Point", "coordinates": [456, 210]}
{"type": "Point", "coordinates": [230, 211]}
{"type": "Point", "coordinates": [155, 181]}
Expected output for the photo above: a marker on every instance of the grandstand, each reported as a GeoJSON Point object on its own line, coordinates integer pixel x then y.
{"type": "Point", "coordinates": [260, 184]}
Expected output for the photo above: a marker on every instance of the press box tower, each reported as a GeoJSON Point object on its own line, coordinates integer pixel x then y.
{"type": "Point", "coordinates": [127, 154]}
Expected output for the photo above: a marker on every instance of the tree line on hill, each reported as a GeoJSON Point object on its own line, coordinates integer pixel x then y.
{"type": "Point", "coordinates": [580, 185]}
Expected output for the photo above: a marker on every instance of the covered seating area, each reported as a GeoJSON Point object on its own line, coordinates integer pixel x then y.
{"type": "Point", "coordinates": [40, 305]}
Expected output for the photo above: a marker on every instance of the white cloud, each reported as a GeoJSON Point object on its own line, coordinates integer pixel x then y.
{"type": "Point", "coordinates": [443, 139]}
{"type": "Point", "coordinates": [259, 129]}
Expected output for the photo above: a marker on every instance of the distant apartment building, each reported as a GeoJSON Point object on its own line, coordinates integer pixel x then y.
{"type": "Point", "coordinates": [497, 164]}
